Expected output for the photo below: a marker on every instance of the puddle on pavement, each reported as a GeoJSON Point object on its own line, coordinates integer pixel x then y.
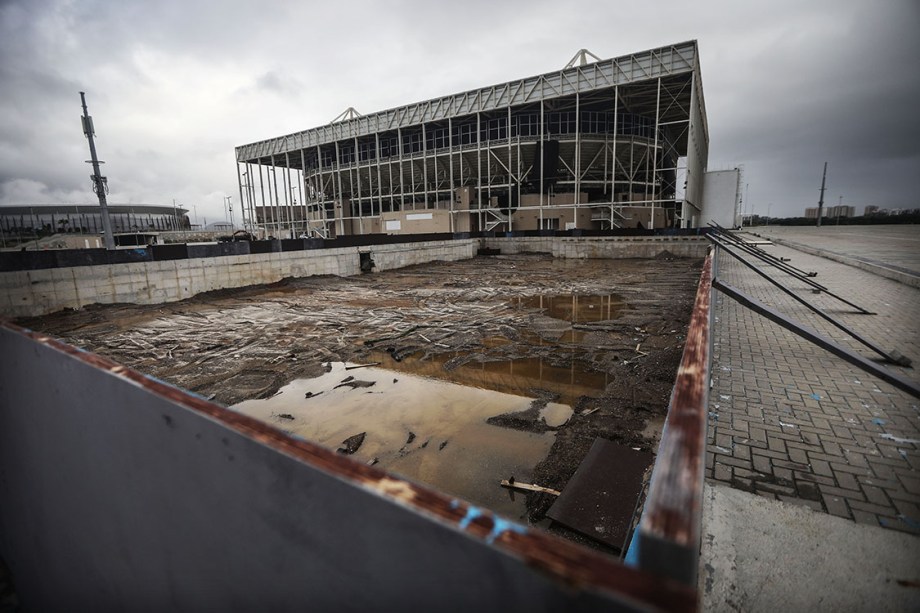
{"type": "Point", "coordinates": [574, 308]}
{"type": "Point", "coordinates": [428, 430]}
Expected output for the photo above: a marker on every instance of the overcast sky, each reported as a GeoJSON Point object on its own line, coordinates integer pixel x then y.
{"type": "Point", "coordinates": [174, 86]}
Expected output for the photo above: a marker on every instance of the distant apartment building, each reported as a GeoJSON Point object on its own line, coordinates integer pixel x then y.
{"type": "Point", "coordinates": [871, 210]}
{"type": "Point", "coordinates": [831, 211]}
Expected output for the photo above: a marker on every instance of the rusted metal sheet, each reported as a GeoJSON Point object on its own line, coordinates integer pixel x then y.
{"type": "Point", "coordinates": [119, 480]}
{"type": "Point", "coordinates": [669, 534]}
{"type": "Point", "coordinates": [600, 498]}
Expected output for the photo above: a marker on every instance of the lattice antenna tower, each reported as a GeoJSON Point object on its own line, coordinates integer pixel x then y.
{"type": "Point", "coordinates": [100, 183]}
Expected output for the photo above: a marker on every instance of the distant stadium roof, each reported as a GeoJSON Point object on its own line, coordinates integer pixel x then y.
{"type": "Point", "coordinates": [48, 209]}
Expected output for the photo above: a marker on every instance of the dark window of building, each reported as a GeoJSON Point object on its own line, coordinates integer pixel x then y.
{"type": "Point", "coordinates": [389, 146]}
{"type": "Point", "coordinates": [346, 154]}
{"type": "Point", "coordinates": [437, 138]}
{"type": "Point", "coordinates": [412, 142]}
{"type": "Point", "coordinates": [495, 129]}
{"type": "Point", "coordinates": [367, 151]}
{"type": "Point", "coordinates": [562, 122]}
{"type": "Point", "coordinates": [525, 125]}
{"type": "Point", "coordinates": [465, 133]}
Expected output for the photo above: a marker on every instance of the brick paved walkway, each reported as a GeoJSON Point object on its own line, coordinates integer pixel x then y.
{"type": "Point", "coordinates": [790, 421]}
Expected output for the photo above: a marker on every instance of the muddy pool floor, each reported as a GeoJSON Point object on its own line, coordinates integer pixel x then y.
{"type": "Point", "coordinates": [590, 346]}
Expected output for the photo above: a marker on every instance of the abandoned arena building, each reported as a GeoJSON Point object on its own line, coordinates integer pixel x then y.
{"type": "Point", "coordinates": [618, 143]}
{"type": "Point", "coordinates": [157, 456]}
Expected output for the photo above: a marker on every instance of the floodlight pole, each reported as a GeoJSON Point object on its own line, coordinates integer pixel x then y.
{"type": "Point", "coordinates": [100, 183]}
{"type": "Point", "coordinates": [821, 200]}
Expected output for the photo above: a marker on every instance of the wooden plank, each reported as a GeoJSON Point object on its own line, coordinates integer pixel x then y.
{"type": "Point", "coordinates": [528, 487]}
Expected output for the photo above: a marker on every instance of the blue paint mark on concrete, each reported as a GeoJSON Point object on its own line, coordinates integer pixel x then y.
{"type": "Point", "coordinates": [816, 397]}
{"type": "Point", "coordinates": [878, 421]}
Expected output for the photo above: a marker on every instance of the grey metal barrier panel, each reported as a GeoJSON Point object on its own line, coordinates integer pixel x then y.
{"type": "Point", "coordinates": [204, 251]}
{"type": "Point", "coordinates": [66, 258]}
{"type": "Point", "coordinates": [27, 260]}
{"type": "Point", "coordinates": [235, 248]}
{"type": "Point", "coordinates": [266, 246]}
{"type": "Point", "coordinates": [128, 256]}
{"type": "Point", "coordinates": [293, 244]}
{"type": "Point", "coordinates": [123, 492]}
{"type": "Point", "coordinates": [170, 252]}
{"type": "Point", "coordinates": [216, 250]}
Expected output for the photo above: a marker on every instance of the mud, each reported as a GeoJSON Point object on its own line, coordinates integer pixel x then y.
{"type": "Point", "coordinates": [601, 338]}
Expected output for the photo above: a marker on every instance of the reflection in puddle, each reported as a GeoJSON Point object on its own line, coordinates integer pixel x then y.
{"type": "Point", "coordinates": [572, 336]}
{"type": "Point", "coordinates": [517, 377]}
{"type": "Point", "coordinates": [427, 430]}
{"type": "Point", "coordinates": [574, 308]}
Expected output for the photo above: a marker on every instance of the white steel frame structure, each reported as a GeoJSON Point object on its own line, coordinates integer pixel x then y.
{"type": "Point", "coordinates": [618, 137]}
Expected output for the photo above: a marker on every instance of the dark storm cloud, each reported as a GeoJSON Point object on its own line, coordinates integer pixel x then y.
{"type": "Point", "coordinates": [174, 86]}
{"type": "Point", "coordinates": [832, 86]}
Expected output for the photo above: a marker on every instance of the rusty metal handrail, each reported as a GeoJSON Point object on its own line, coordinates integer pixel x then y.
{"type": "Point", "coordinates": [668, 540]}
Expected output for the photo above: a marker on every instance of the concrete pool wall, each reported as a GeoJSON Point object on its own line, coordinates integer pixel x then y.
{"type": "Point", "coordinates": [30, 293]}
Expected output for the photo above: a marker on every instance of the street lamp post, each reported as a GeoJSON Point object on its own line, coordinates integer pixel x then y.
{"type": "Point", "coordinates": [228, 201]}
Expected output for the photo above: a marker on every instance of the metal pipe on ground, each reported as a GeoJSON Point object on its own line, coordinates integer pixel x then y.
{"type": "Point", "coordinates": [770, 259]}
{"type": "Point", "coordinates": [894, 357]}
{"type": "Point", "coordinates": [815, 337]}
{"type": "Point", "coordinates": [817, 286]}
{"type": "Point", "coordinates": [784, 261]}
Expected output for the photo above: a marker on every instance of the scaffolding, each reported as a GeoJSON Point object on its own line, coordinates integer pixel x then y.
{"type": "Point", "coordinates": [615, 143]}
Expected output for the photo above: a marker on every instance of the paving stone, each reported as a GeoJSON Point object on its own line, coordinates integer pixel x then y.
{"type": "Point", "coordinates": [878, 509]}
{"type": "Point", "coordinates": [876, 495]}
{"type": "Point", "coordinates": [836, 505]}
{"type": "Point", "coordinates": [802, 418]}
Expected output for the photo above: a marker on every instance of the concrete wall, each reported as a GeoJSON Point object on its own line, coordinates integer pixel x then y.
{"type": "Point", "coordinates": [29, 293]}
{"type": "Point", "coordinates": [388, 257]}
{"type": "Point", "coordinates": [602, 247]}
{"type": "Point", "coordinates": [37, 292]}
{"type": "Point", "coordinates": [122, 493]}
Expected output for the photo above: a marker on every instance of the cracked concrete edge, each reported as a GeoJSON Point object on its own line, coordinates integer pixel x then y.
{"type": "Point", "coordinates": [882, 271]}
{"type": "Point", "coordinates": [764, 555]}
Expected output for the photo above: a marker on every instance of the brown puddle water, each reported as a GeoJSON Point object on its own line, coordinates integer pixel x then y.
{"type": "Point", "coordinates": [518, 376]}
{"type": "Point", "coordinates": [574, 308]}
{"type": "Point", "coordinates": [453, 448]}
{"type": "Point", "coordinates": [429, 424]}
